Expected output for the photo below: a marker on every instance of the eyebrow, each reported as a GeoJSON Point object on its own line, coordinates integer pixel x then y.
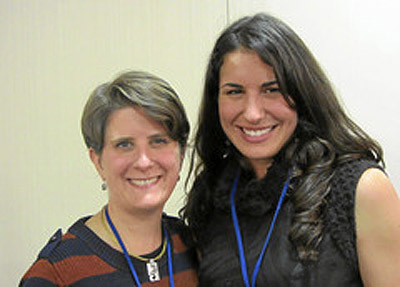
{"type": "Point", "coordinates": [120, 139]}
{"type": "Point", "coordinates": [270, 83]}
{"type": "Point", "coordinates": [234, 85]}
{"type": "Point", "coordinates": [156, 135]}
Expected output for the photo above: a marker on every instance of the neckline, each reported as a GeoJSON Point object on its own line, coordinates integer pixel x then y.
{"type": "Point", "coordinates": [152, 267]}
{"type": "Point", "coordinates": [242, 256]}
{"type": "Point", "coordinates": [104, 250]}
{"type": "Point", "coordinates": [153, 255]}
{"type": "Point", "coordinates": [255, 197]}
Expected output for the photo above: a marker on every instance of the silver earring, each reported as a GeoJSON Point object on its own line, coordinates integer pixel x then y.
{"type": "Point", "coordinates": [104, 186]}
{"type": "Point", "coordinates": [227, 149]}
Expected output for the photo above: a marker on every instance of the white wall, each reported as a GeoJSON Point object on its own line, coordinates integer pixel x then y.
{"type": "Point", "coordinates": [55, 52]}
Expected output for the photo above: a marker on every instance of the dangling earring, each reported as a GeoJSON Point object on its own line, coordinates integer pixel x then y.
{"type": "Point", "coordinates": [227, 149]}
{"type": "Point", "coordinates": [104, 186]}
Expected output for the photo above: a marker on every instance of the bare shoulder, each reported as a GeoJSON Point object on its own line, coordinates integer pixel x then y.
{"type": "Point", "coordinates": [377, 213]}
{"type": "Point", "coordinates": [377, 203]}
{"type": "Point", "coordinates": [375, 184]}
{"type": "Point", "coordinates": [375, 189]}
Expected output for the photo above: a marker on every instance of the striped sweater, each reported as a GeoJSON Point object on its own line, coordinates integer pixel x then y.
{"type": "Point", "coordinates": [81, 258]}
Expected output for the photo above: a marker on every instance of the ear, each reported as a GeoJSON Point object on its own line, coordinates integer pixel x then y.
{"type": "Point", "coordinates": [96, 160]}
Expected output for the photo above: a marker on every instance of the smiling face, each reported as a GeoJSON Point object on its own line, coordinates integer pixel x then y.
{"type": "Point", "coordinates": [253, 113]}
{"type": "Point", "coordinates": [139, 162]}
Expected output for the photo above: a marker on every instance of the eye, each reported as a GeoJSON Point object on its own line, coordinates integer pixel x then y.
{"type": "Point", "coordinates": [234, 92]}
{"type": "Point", "coordinates": [124, 144]}
{"type": "Point", "coordinates": [158, 141]}
{"type": "Point", "coordinates": [271, 90]}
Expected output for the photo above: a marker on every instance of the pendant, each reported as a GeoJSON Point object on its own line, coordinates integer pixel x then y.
{"type": "Point", "coordinates": [152, 270]}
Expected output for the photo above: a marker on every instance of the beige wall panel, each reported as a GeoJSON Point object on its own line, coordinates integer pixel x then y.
{"type": "Point", "coordinates": [240, 8]}
{"type": "Point", "coordinates": [53, 55]}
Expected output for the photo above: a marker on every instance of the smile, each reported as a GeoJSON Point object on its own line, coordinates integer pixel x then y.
{"type": "Point", "coordinates": [257, 133]}
{"type": "Point", "coordinates": [144, 182]}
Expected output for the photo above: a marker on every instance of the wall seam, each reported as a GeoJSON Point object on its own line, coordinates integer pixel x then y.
{"type": "Point", "coordinates": [227, 10]}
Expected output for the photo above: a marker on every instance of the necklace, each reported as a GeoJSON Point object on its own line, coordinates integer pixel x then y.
{"type": "Point", "coordinates": [235, 220]}
{"type": "Point", "coordinates": [114, 239]}
{"type": "Point", "coordinates": [152, 266]}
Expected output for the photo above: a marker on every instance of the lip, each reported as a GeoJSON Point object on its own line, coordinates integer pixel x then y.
{"type": "Point", "coordinates": [257, 135]}
{"type": "Point", "coordinates": [144, 182]}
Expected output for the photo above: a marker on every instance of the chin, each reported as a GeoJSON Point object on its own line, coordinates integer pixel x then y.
{"type": "Point", "coordinates": [259, 156]}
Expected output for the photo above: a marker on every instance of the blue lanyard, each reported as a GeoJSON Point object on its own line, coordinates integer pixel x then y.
{"type": "Point", "coordinates": [128, 259]}
{"type": "Point", "coordinates": [243, 265]}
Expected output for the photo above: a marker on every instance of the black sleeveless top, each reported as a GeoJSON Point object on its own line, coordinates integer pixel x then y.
{"type": "Point", "coordinates": [337, 264]}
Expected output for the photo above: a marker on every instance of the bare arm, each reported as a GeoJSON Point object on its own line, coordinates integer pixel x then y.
{"type": "Point", "coordinates": [377, 213]}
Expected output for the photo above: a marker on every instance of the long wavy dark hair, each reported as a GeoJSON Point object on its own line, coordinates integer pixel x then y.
{"type": "Point", "coordinates": [324, 137]}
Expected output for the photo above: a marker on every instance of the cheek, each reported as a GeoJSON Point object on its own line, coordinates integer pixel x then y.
{"type": "Point", "coordinates": [174, 162]}
{"type": "Point", "coordinates": [293, 123]}
{"type": "Point", "coordinates": [283, 111]}
{"type": "Point", "coordinates": [116, 164]}
{"type": "Point", "coordinates": [291, 116]}
{"type": "Point", "coordinates": [290, 120]}
{"type": "Point", "coordinates": [171, 160]}
{"type": "Point", "coordinates": [226, 112]}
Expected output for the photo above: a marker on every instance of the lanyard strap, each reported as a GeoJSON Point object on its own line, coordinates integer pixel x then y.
{"type": "Point", "coordinates": [128, 259]}
{"type": "Point", "coordinates": [235, 220]}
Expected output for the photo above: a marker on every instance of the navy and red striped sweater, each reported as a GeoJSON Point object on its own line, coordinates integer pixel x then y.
{"type": "Point", "coordinates": [81, 258]}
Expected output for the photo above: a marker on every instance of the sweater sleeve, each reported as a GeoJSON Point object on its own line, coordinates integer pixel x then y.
{"type": "Point", "coordinates": [41, 274]}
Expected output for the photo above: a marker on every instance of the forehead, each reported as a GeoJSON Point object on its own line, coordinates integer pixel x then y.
{"type": "Point", "coordinates": [245, 65]}
{"type": "Point", "coordinates": [131, 121]}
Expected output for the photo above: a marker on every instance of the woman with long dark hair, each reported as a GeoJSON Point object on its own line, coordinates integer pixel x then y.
{"type": "Point", "coordinates": [289, 191]}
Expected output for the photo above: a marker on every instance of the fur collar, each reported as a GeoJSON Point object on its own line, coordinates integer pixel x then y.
{"type": "Point", "coordinates": [254, 196]}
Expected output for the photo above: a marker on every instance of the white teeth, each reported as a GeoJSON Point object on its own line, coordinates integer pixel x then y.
{"type": "Point", "coordinates": [142, 182]}
{"type": "Point", "coordinates": [255, 133]}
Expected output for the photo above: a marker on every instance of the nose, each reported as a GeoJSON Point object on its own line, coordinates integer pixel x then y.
{"type": "Point", "coordinates": [253, 109]}
{"type": "Point", "coordinates": [143, 160]}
